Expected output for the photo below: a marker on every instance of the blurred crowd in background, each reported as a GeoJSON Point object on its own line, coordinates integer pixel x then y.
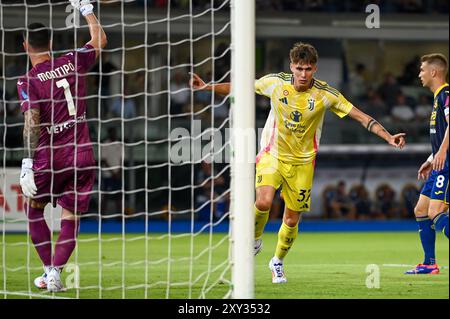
{"type": "Point", "coordinates": [386, 6]}
{"type": "Point", "coordinates": [387, 101]}
{"type": "Point", "coordinates": [121, 105]}
{"type": "Point", "coordinates": [392, 6]}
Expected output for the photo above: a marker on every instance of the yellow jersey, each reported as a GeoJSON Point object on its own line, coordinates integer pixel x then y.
{"type": "Point", "coordinates": [293, 128]}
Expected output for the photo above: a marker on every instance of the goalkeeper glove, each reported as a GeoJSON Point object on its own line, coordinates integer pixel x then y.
{"type": "Point", "coordinates": [29, 188]}
{"type": "Point", "coordinates": [84, 6]}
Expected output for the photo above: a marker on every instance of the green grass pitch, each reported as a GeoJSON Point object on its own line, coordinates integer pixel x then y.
{"type": "Point", "coordinates": [319, 266]}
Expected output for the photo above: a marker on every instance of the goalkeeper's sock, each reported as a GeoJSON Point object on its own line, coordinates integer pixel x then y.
{"type": "Point", "coordinates": [261, 217]}
{"type": "Point", "coordinates": [66, 242]}
{"type": "Point", "coordinates": [428, 238]}
{"type": "Point", "coordinates": [40, 233]}
{"type": "Point", "coordinates": [286, 238]}
{"type": "Point", "coordinates": [441, 223]}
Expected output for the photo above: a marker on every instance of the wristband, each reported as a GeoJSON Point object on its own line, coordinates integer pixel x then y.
{"type": "Point", "coordinates": [27, 163]}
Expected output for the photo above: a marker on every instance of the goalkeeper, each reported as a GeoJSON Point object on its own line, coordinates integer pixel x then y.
{"type": "Point", "coordinates": [58, 164]}
{"type": "Point", "coordinates": [290, 141]}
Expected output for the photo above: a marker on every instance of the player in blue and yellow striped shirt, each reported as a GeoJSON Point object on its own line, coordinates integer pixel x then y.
{"type": "Point", "coordinates": [432, 208]}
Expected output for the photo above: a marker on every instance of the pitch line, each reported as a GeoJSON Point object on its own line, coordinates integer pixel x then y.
{"type": "Point", "coordinates": [360, 265]}
{"type": "Point", "coordinates": [3, 292]}
{"type": "Point", "coordinates": [404, 265]}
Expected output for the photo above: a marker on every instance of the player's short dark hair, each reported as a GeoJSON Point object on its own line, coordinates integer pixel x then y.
{"type": "Point", "coordinates": [437, 59]}
{"type": "Point", "coordinates": [305, 53]}
{"type": "Point", "coordinates": [37, 35]}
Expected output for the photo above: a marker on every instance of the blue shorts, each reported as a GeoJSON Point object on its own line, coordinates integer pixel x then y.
{"type": "Point", "coordinates": [436, 187]}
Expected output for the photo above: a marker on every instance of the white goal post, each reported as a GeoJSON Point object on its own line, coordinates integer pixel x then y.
{"type": "Point", "coordinates": [243, 168]}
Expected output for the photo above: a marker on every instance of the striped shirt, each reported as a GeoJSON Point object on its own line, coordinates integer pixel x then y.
{"type": "Point", "coordinates": [438, 121]}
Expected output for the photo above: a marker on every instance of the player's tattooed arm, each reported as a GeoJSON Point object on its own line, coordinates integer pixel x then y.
{"type": "Point", "coordinates": [372, 125]}
{"type": "Point", "coordinates": [31, 132]}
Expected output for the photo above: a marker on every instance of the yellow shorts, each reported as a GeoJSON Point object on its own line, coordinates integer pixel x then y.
{"type": "Point", "coordinates": [295, 180]}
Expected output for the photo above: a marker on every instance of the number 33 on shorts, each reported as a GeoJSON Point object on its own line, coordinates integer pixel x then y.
{"type": "Point", "coordinates": [305, 195]}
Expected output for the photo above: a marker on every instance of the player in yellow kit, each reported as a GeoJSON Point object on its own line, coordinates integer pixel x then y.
{"type": "Point", "coordinates": [290, 141]}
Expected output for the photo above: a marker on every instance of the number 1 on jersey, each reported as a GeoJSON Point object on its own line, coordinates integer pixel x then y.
{"type": "Point", "coordinates": [69, 98]}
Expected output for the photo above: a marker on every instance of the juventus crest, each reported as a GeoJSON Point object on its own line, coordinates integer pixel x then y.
{"type": "Point", "coordinates": [311, 104]}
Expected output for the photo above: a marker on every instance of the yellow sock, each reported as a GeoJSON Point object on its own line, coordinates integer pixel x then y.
{"type": "Point", "coordinates": [286, 237]}
{"type": "Point", "coordinates": [261, 218]}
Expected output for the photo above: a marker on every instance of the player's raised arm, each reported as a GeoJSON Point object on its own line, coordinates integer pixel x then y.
{"type": "Point", "coordinates": [98, 36]}
{"type": "Point", "coordinates": [198, 84]}
{"type": "Point", "coordinates": [397, 140]}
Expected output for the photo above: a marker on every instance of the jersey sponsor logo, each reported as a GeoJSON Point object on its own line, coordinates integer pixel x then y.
{"type": "Point", "coordinates": [433, 118]}
{"type": "Point", "coordinates": [294, 124]}
{"type": "Point", "coordinates": [296, 116]}
{"type": "Point", "coordinates": [296, 128]}
{"type": "Point", "coordinates": [439, 193]}
{"type": "Point", "coordinates": [311, 104]}
{"type": "Point", "coordinates": [59, 128]}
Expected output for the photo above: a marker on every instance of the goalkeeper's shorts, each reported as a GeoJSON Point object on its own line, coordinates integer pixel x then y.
{"type": "Point", "coordinates": [64, 184]}
{"type": "Point", "coordinates": [295, 181]}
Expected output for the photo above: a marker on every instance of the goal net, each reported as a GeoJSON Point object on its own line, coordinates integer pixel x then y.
{"type": "Point", "coordinates": [170, 213]}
